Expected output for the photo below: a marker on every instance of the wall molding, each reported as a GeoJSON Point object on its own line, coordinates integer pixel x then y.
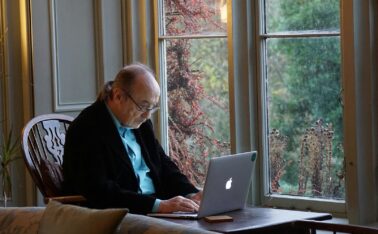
{"type": "Point", "coordinates": [60, 105]}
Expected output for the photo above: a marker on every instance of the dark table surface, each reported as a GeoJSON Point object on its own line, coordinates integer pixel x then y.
{"type": "Point", "coordinates": [255, 219]}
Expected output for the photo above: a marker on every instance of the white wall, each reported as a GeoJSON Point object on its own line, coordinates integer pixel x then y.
{"type": "Point", "coordinates": [59, 54]}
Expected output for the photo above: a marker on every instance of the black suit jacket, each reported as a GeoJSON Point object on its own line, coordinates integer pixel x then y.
{"type": "Point", "coordinates": [96, 164]}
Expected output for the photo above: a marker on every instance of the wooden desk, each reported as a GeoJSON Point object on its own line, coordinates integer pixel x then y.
{"type": "Point", "coordinates": [256, 220]}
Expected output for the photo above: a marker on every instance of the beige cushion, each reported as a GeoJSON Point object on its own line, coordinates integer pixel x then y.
{"type": "Point", "coordinates": [20, 220]}
{"type": "Point", "coordinates": [60, 218]}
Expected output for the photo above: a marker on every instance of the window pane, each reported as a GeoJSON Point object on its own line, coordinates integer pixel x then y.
{"type": "Point", "coordinates": [195, 17]}
{"type": "Point", "coordinates": [298, 15]}
{"type": "Point", "coordinates": [305, 117]}
{"type": "Point", "coordinates": [197, 73]}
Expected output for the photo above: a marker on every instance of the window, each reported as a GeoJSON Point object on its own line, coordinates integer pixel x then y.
{"type": "Point", "coordinates": [194, 79]}
{"type": "Point", "coordinates": [301, 104]}
{"type": "Point", "coordinates": [303, 109]}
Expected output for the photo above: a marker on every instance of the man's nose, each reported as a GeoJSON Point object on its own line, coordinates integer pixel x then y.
{"type": "Point", "coordinates": [146, 114]}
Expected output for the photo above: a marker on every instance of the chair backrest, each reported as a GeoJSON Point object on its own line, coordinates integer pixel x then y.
{"type": "Point", "coordinates": [43, 140]}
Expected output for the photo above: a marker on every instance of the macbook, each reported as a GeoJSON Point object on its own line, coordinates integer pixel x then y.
{"type": "Point", "coordinates": [226, 186]}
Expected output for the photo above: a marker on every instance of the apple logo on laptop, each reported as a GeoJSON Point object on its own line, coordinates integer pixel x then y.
{"type": "Point", "coordinates": [228, 183]}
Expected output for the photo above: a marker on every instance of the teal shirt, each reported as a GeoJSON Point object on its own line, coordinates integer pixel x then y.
{"type": "Point", "coordinates": [146, 186]}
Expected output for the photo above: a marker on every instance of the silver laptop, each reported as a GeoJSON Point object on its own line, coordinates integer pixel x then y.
{"type": "Point", "coordinates": [226, 186]}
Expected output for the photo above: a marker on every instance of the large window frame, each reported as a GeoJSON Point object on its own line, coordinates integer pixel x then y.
{"type": "Point", "coordinates": [244, 31]}
{"type": "Point", "coordinates": [285, 201]}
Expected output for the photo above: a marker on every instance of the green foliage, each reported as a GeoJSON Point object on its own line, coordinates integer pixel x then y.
{"type": "Point", "coordinates": [304, 78]}
{"type": "Point", "coordinates": [9, 149]}
{"type": "Point", "coordinates": [209, 57]}
{"type": "Point", "coordinates": [298, 15]}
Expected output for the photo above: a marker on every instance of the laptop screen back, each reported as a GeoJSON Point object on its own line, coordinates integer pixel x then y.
{"type": "Point", "coordinates": [227, 183]}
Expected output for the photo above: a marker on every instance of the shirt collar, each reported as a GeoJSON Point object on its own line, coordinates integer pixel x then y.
{"type": "Point", "coordinates": [121, 129]}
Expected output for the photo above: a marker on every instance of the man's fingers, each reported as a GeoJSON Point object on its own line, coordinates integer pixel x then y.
{"type": "Point", "coordinates": [185, 204]}
{"type": "Point", "coordinates": [191, 205]}
{"type": "Point", "coordinates": [178, 203]}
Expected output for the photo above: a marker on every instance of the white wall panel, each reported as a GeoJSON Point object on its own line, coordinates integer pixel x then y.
{"type": "Point", "coordinates": [73, 53]}
{"type": "Point", "coordinates": [112, 38]}
{"type": "Point", "coordinates": [77, 45]}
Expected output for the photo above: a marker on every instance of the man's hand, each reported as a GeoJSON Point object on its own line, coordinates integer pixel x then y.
{"type": "Point", "coordinates": [177, 203]}
{"type": "Point", "coordinates": [196, 197]}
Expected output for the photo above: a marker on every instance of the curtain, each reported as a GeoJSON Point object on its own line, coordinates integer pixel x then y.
{"type": "Point", "coordinates": [139, 31]}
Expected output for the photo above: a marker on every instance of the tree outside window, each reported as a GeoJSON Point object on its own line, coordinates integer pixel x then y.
{"type": "Point", "coordinates": [304, 98]}
{"type": "Point", "coordinates": [303, 92]}
{"type": "Point", "coordinates": [195, 47]}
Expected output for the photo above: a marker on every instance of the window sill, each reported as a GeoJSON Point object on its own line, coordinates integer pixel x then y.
{"type": "Point", "coordinates": [336, 207]}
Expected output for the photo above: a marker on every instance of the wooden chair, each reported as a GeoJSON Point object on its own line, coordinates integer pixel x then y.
{"type": "Point", "coordinates": [43, 140]}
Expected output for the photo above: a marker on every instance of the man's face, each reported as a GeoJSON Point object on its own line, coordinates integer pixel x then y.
{"type": "Point", "coordinates": [136, 106]}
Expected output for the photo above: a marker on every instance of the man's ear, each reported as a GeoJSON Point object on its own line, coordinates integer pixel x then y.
{"type": "Point", "coordinates": [118, 94]}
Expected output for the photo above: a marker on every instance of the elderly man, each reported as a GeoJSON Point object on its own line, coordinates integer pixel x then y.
{"type": "Point", "coordinates": [111, 155]}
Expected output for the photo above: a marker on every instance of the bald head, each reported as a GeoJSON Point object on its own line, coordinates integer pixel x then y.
{"type": "Point", "coordinates": [135, 73]}
{"type": "Point", "coordinates": [134, 95]}
{"type": "Point", "coordinates": [127, 77]}
{"type": "Point", "coordinates": [145, 83]}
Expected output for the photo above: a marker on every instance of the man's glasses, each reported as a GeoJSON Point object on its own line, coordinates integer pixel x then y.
{"type": "Point", "coordinates": [142, 108]}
